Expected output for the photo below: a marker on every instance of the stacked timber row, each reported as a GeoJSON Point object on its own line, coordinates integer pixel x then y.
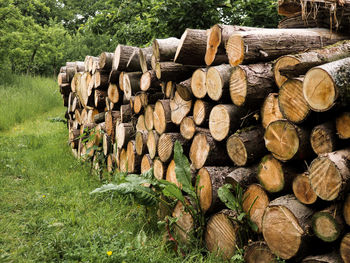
{"type": "Point", "coordinates": [264, 109]}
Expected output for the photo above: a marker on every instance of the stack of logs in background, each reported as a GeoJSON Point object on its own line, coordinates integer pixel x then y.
{"type": "Point", "coordinates": [266, 109]}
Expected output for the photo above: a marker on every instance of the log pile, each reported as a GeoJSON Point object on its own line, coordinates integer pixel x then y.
{"type": "Point", "coordinates": [265, 109]}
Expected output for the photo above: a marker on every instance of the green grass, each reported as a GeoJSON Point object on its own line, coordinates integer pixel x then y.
{"type": "Point", "coordinates": [46, 212]}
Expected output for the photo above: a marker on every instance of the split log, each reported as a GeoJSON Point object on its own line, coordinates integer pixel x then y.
{"type": "Point", "coordinates": [131, 83]}
{"type": "Point", "coordinates": [199, 83]}
{"type": "Point", "coordinates": [242, 176]}
{"type": "Point", "coordinates": [167, 71]}
{"type": "Point", "coordinates": [328, 84]}
{"type": "Point", "coordinates": [255, 201]}
{"type": "Point", "coordinates": [225, 119]}
{"type": "Point", "coordinates": [343, 125]}
{"type": "Point", "coordinates": [179, 108]}
{"type": "Point", "coordinates": [285, 226]}
{"type": "Point", "coordinates": [187, 128]}
{"type": "Point", "coordinates": [247, 146]}
{"type": "Point", "coordinates": [149, 123]}
{"type": "Point", "coordinates": [270, 110]}
{"type": "Point", "coordinates": [134, 160]}
{"type": "Point", "coordinates": [287, 141]}
{"type": "Point", "coordinates": [165, 49]}
{"type": "Point", "coordinates": [145, 55]}
{"type": "Point", "coordinates": [150, 82]}
{"type": "Point", "coordinates": [105, 61]}
{"type": "Point", "coordinates": [152, 143]}
{"type": "Point", "coordinates": [124, 133]}
{"type": "Point", "coordinates": [250, 84]}
{"type": "Point", "coordinates": [113, 93]}
{"type": "Point", "coordinates": [100, 99]}
{"type": "Point", "coordinates": [218, 82]}
{"type": "Point", "coordinates": [222, 234]}
{"type": "Point", "coordinates": [205, 151]}
{"type": "Point", "coordinates": [184, 89]}
{"type": "Point", "coordinates": [302, 189]}
{"type": "Point", "coordinates": [201, 112]}
{"type": "Point", "coordinates": [166, 145]}
{"type": "Point", "coordinates": [259, 252]}
{"type": "Point", "coordinates": [121, 57]}
{"type": "Point", "coordinates": [158, 169]}
{"type": "Point", "coordinates": [274, 176]}
{"type": "Point", "coordinates": [191, 48]}
{"type": "Point", "coordinates": [346, 209]}
{"type": "Point", "coordinates": [292, 102]}
{"type": "Point", "coordinates": [330, 174]}
{"type": "Point", "coordinates": [162, 117]}
{"type": "Point", "coordinates": [146, 163]}
{"type": "Point", "coordinates": [323, 138]}
{"type": "Point", "coordinates": [345, 248]}
{"type": "Point", "coordinates": [269, 44]}
{"type": "Point", "coordinates": [333, 257]}
{"type": "Point", "coordinates": [125, 113]}
{"type": "Point", "coordinates": [111, 119]}
{"type": "Point", "coordinates": [210, 180]}
{"type": "Point", "coordinates": [328, 223]}
{"type": "Point", "coordinates": [141, 142]}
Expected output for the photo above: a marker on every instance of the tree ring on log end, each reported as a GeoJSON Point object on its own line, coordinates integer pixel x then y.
{"type": "Point", "coordinates": [219, 122]}
{"type": "Point", "coordinates": [270, 174]}
{"type": "Point", "coordinates": [199, 150]}
{"type": "Point", "coordinates": [171, 175]}
{"type": "Point", "coordinates": [205, 190]}
{"type": "Point", "coordinates": [236, 150]}
{"type": "Point", "coordinates": [159, 118]}
{"type": "Point", "coordinates": [198, 83]}
{"type": "Point", "coordinates": [158, 169]}
{"type": "Point", "coordinates": [238, 86]}
{"type": "Point", "coordinates": [283, 62]}
{"type": "Point", "coordinates": [321, 141]}
{"type": "Point", "coordinates": [165, 147]}
{"type": "Point", "coordinates": [214, 83]}
{"type": "Point", "coordinates": [303, 191]}
{"type": "Point", "coordinates": [325, 227]}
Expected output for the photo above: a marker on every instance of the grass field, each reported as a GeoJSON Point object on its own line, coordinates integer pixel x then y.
{"type": "Point", "coordinates": [46, 212]}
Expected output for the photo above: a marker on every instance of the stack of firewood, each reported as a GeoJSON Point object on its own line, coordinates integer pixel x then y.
{"type": "Point", "coordinates": [247, 113]}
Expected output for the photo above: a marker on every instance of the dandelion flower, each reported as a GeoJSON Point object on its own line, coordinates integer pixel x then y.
{"type": "Point", "coordinates": [109, 253]}
{"type": "Point", "coordinates": [44, 196]}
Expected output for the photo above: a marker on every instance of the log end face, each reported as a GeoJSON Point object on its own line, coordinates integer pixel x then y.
{"type": "Point", "coordinates": [303, 190]}
{"type": "Point", "coordinates": [165, 147]}
{"type": "Point", "coordinates": [235, 50]}
{"type": "Point", "coordinates": [238, 86]}
{"type": "Point", "coordinates": [131, 156]}
{"type": "Point", "coordinates": [198, 83]}
{"type": "Point", "coordinates": [319, 90]}
{"type": "Point", "coordinates": [159, 118]}
{"type": "Point", "coordinates": [346, 210]}
{"type": "Point", "coordinates": [270, 110]}
{"type": "Point", "coordinates": [205, 189]}
{"type": "Point", "coordinates": [343, 125]}
{"type": "Point", "coordinates": [321, 141]}
{"type": "Point", "coordinates": [116, 58]}
{"type": "Point", "coordinates": [187, 128]}
{"type": "Point", "coordinates": [149, 123]}
{"type": "Point", "coordinates": [219, 122]}
{"type": "Point", "coordinates": [146, 163]}
{"type": "Point", "coordinates": [325, 227]}
{"type": "Point", "coordinates": [199, 112]}
{"type": "Point", "coordinates": [236, 150]}
{"type": "Point", "coordinates": [171, 175]}
{"type": "Point", "coordinates": [185, 222]}
{"type": "Point", "coordinates": [158, 169]}
{"type": "Point", "coordinates": [213, 42]}
{"type": "Point", "coordinates": [145, 81]}
{"type": "Point", "coordinates": [270, 174]}
{"type": "Point", "coordinates": [199, 150]}
{"type": "Point", "coordinates": [345, 248]}
{"type": "Point", "coordinates": [283, 62]}
{"type": "Point", "coordinates": [214, 84]}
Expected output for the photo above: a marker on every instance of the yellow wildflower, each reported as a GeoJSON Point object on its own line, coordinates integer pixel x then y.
{"type": "Point", "coordinates": [44, 196]}
{"type": "Point", "coordinates": [109, 253]}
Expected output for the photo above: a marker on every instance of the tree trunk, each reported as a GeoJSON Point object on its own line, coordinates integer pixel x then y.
{"type": "Point", "coordinates": [247, 146]}
{"type": "Point", "coordinates": [158, 169]}
{"type": "Point", "coordinates": [199, 83]}
{"type": "Point", "coordinates": [179, 108]}
{"type": "Point", "coordinates": [124, 133]}
{"type": "Point", "coordinates": [146, 163]}
{"type": "Point", "coordinates": [131, 84]}
{"type": "Point", "coordinates": [162, 117]}
{"type": "Point", "coordinates": [141, 142]}
{"type": "Point", "coordinates": [184, 89]}
{"type": "Point", "coordinates": [259, 252]}
{"type": "Point", "coordinates": [302, 189]}
{"type": "Point", "coordinates": [152, 143]}
{"type": "Point", "coordinates": [343, 125]}
{"type": "Point", "coordinates": [330, 174]}
{"type": "Point", "coordinates": [201, 112]}
{"type": "Point", "coordinates": [210, 180]}
{"type": "Point", "coordinates": [113, 93]}
{"type": "Point", "coordinates": [328, 84]}
{"type": "Point", "coordinates": [218, 82]}
{"type": "Point", "coordinates": [328, 223]}
{"type": "Point", "coordinates": [192, 47]}
{"type": "Point", "coordinates": [345, 248]}
{"type": "Point", "coordinates": [165, 49]}
{"type": "Point", "coordinates": [285, 226]}
{"type": "Point", "coordinates": [134, 160]}
{"type": "Point", "coordinates": [323, 138]}
{"type": "Point", "coordinates": [269, 44]}
{"type": "Point", "coordinates": [167, 71]}
{"type": "Point", "coordinates": [250, 84]}
{"type": "Point", "coordinates": [242, 176]}
{"type": "Point", "coordinates": [105, 61]}
{"type": "Point", "coordinates": [225, 119]}
{"type": "Point", "coordinates": [166, 145]}
{"type": "Point", "coordinates": [287, 141]}
{"type": "Point", "coordinates": [121, 57]}
{"type": "Point", "coordinates": [149, 81]}
{"type": "Point", "coordinates": [270, 111]}
{"type": "Point", "coordinates": [274, 176]}
{"type": "Point", "coordinates": [205, 151]}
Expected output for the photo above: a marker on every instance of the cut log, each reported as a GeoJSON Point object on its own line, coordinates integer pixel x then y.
{"type": "Point", "coordinates": [113, 93]}
{"type": "Point", "coordinates": [328, 223]}
{"type": "Point", "coordinates": [111, 119]}
{"type": "Point", "coordinates": [105, 61]}
{"type": "Point", "coordinates": [101, 79]}
{"type": "Point", "coordinates": [62, 78]}
{"type": "Point", "coordinates": [285, 226]}
{"type": "Point", "coordinates": [140, 125]}
{"type": "Point", "coordinates": [198, 83]}
{"type": "Point", "coordinates": [92, 61]}
{"type": "Point", "coordinates": [106, 144]}
{"type": "Point", "coordinates": [282, 62]}
{"type": "Point", "coordinates": [149, 123]}
{"type": "Point", "coordinates": [141, 142]}
{"type": "Point", "coordinates": [259, 252]}
{"type": "Point", "coordinates": [179, 108]}
{"type": "Point", "coordinates": [330, 174]}
{"type": "Point", "coordinates": [346, 209]}
{"type": "Point", "coordinates": [333, 257]}
{"type": "Point", "coordinates": [255, 201]}
{"type": "Point", "coordinates": [184, 89]}
{"type": "Point", "coordinates": [191, 48]}
{"type": "Point", "coordinates": [222, 234]}
{"type": "Point", "coordinates": [169, 90]}
{"type": "Point", "coordinates": [140, 102]}
{"type": "Point", "coordinates": [201, 112]}
{"type": "Point", "coordinates": [146, 163]}
{"type": "Point", "coordinates": [225, 119]}
{"type": "Point", "coordinates": [287, 141]}
{"type": "Point", "coordinates": [166, 145]}
{"type": "Point", "coordinates": [184, 224]}
{"type": "Point", "coordinates": [218, 82]}
{"type": "Point", "coordinates": [269, 44]}
{"type": "Point", "coordinates": [171, 175]}
{"type": "Point", "coordinates": [123, 161]}
{"type": "Point", "coordinates": [162, 117]}
{"type": "Point", "coordinates": [100, 99]}
{"type": "Point", "coordinates": [187, 128]}
{"type": "Point", "coordinates": [124, 133]}
{"type": "Point", "coordinates": [145, 55]}
{"type": "Point", "coordinates": [210, 180]}
{"type": "Point", "coordinates": [343, 125]}
{"type": "Point", "coordinates": [270, 110]}
{"type": "Point", "coordinates": [131, 83]}
{"type": "Point", "coordinates": [323, 138]}
{"type": "Point", "coordinates": [292, 102]}
{"type": "Point", "coordinates": [111, 162]}
{"type": "Point", "coordinates": [274, 176]}
{"type": "Point", "coordinates": [134, 61]}
{"type": "Point", "coordinates": [121, 57]}
{"type": "Point", "coordinates": [100, 117]}
{"type": "Point", "coordinates": [150, 82]}
{"type": "Point", "coordinates": [247, 146]}
{"type": "Point", "coordinates": [345, 248]}
{"type": "Point", "coordinates": [165, 49]}
{"type": "Point", "coordinates": [158, 169]}
{"type": "Point", "coordinates": [167, 71]}
{"type": "Point", "coordinates": [327, 84]}
{"type": "Point", "coordinates": [126, 113]}
{"type": "Point", "coordinates": [250, 84]}
{"type": "Point", "coordinates": [134, 160]}
{"type": "Point", "coordinates": [302, 189]}
{"type": "Point", "coordinates": [114, 77]}
{"type": "Point", "coordinates": [205, 151]}
{"type": "Point", "coordinates": [242, 176]}
{"type": "Point", "coordinates": [152, 143]}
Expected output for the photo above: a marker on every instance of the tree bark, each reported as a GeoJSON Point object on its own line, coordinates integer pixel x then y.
{"type": "Point", "coordinates": [121, 57]}
{"type": "Point", "coordinates": [101, 79]}
{"type": "Point", "coordinates": [165, 49]}
{"type": "Point", "coordinates": [111, 119]}
{"type": "Point", "coordinates": [131, 84]}
{"type": "Point", "coordinates": [170, 71]}
{"type": "Point", "coordinates": [346, 209]}
{"type": "Point", "coordinates": [100, 99]}
{"type": "Point", "coordinates": [126, 114]}
{"type": "Point", "coordinates": [242, 176]}
{"type": "Point", "coordinates": [145, 55]}
{"type": "Point", "coordinates": [184, 89]}
{"type": "Point", "coordinates": [333, 257]}
{"type": "Point", "coordinates": [150, 82]}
